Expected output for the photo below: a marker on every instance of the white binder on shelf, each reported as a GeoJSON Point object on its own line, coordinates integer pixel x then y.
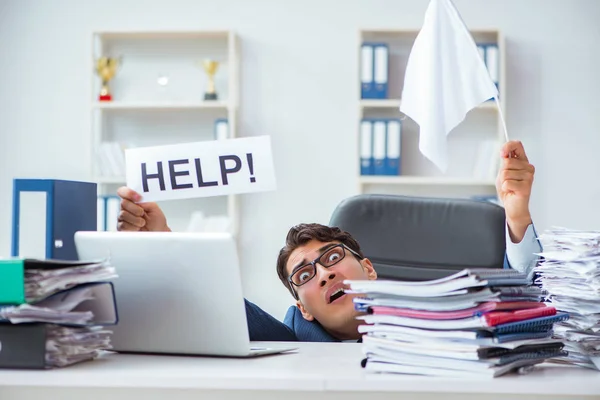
{"type": "Point", "coordinates": [393, 145]}
{"type": "Point", "coordinates": [379, 147]}
{"type": "Point", "coordinates": [381, 56]}
{"type": "Point", "coordinates": [492, 62]}
{"type": "Point", "coordinates": [113, 205]}
{"type": "Point", "coordinates": [109, 207]}
{"type": "Point", "coordinates": [481, 49]}
{"type": "Point", "coordinates": [221, 129]}
{"type": "Point", "coordinates": [366, 147]}
{"type": "Point", "coordinates": [366, 71]}
{"type": "Point", "coordinates": [100, 213]}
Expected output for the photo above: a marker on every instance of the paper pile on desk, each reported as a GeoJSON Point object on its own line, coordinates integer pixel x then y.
{"type": "Point", "coordinates": [570, 273]}
{"type": "Point", "coordinates": [67, 303]}
{"type": "Point", "coordinates": [70, 345]}
{"type": "Point", "coordinates": [46, 277]}
{"type": "Point", "coordinates": [476, 322]}
{"type": "Point", "coordinates": [72, 307]}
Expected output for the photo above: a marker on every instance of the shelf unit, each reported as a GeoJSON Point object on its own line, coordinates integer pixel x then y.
{"type": "Point", "coordinates": [395, 104]}
{"type": "Point", "coordinates": [160, 105]}
{"type": "Point", "coordinates": [424, 180]}
{"type": "Point", "coordinates": [158, 99]}
{"type": "Point", "coordinates": [418, 174]}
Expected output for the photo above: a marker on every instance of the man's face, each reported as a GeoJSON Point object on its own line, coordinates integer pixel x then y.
{"type": "Point", "coordinates": [320, 297]}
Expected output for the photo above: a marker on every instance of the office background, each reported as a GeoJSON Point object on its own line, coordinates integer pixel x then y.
{"type": "Point", "coordinates": [298, 65]}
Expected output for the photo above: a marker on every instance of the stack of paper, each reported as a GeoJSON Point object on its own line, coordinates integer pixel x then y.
{"type": "Point", "coordinates": [57, 310]}
{"type": "Point", "coordinates": [82, 305]}
{"type": "Point", "coordinates": [46, 277]}
{"type": "Point", "coordinates": [570, 273]}
{"type": "Point", "coordinates": [69, 345]}
{"type": "Point", "coordinates": [477, 321]}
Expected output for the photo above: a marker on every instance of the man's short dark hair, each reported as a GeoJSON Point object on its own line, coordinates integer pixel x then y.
{"type": "Point", "coordinates": [301, 234]}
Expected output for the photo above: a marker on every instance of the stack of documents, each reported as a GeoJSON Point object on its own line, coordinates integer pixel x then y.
{"type": "Point", "coordinates": [69, 345]}
{"type": "Point", "coordinates": [46, 277]}
{"type": "Point", "coordinates": [476, 322]}
{"type": "Point", "coordinates": [52, 312]}
{"type": "Point", "coordinates": [570, 273]}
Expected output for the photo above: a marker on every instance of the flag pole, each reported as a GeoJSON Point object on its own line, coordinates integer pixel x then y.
{"type": "Point", "coordinates": [501, 118]}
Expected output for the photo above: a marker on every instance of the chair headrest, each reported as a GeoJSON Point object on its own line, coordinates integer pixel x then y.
{"type": "Point", "coordinates": [418, 238]}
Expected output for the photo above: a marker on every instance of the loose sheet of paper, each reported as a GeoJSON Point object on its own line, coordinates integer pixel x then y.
{"type": "Point", "coordinates": [201, 169]}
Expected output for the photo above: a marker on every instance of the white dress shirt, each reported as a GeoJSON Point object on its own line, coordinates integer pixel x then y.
{"type": "Point", "coordinates": [521, 256]}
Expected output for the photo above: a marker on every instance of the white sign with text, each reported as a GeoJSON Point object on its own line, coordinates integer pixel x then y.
{"type": "Point", "coordinates": [201, 169]}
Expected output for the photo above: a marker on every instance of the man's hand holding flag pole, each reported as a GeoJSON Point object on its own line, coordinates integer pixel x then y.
{"type": "Point", "coordinates": [445, 79]}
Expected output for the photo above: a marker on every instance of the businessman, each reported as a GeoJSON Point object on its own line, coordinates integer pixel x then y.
{"type": "Point", "coordinates": [316, 259]}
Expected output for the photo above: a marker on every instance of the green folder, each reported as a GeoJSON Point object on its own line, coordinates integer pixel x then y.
{"type": "Point", "coordinates": [12, 281]}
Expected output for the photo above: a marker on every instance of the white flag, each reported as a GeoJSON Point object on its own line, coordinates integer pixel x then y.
{"type": "Point", "coordinates": [445, 78]}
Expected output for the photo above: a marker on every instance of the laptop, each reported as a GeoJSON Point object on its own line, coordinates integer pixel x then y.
{"type": "Point", "coordinates": [177, 293]}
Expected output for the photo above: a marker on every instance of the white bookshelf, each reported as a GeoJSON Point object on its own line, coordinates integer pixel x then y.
{"type": "Point", "coordinates": [395, 104]}
{"type": "Point", "coordinates": [160, 105]}
{"type": "Point", "coordinates": [418, 174]}
{"type": "Point", "coordinates": [424, 180]}
{"type": "Point", "coordinates": [158, 99]}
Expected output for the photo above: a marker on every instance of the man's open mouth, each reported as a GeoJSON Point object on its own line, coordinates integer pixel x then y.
{"type": "Point", "coordinates": [336, 295]}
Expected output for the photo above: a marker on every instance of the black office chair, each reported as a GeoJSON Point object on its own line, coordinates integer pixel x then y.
{"type": "Point", "coordinates": [418, 238]}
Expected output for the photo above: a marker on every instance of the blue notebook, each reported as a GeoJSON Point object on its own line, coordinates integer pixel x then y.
{"type": "Point", "coordinates": [511, 337]}
{"type": "Point", "coordinates": [534, 324]}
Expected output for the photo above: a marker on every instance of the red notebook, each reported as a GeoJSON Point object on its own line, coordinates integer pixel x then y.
{"type": "Point", "coordinates": [482, 308]}
{"type": "Point", "coordinates": [503, 317]}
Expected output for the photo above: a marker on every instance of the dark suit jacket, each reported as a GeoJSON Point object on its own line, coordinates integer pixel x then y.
{"type": "Point", "coordinates": [262, 326]}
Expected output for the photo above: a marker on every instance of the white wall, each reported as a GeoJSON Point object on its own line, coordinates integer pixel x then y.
{"type": "Point", "coordinates": [298, 85]}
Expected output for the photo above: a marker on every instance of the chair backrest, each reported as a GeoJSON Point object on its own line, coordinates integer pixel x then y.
{"type": "Point", "coordinates": [418, 238]}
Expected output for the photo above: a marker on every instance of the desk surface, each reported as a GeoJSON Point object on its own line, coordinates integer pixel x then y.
{"type": "Point", "coordinates": [333, 367]}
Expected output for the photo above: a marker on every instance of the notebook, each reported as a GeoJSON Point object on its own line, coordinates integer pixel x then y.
{"type": "Point", "coordinates": [502, 324]}
{"type": "Point", "coordinates": [459, 351]}
{"type": "Point", "coordinates": [465, 313]}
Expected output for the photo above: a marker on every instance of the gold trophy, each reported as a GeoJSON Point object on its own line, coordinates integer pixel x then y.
{"type": "Point", "coordinates": [106, 68]}
{"type": "Point", "coordinates": [210, 67]}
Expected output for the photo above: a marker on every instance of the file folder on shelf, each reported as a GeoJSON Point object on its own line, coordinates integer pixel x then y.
{"type": "Point", "coordinates": [367, 85]}
{"type": "Point", "coordinates": [108, 212]}
{"type": "Point", "coordinates": [490, 54]}
{"type": "Point", "coordinates": [492, 62]}
{"type": "Point", "coordinates": [380, 67]}
{"type": "Point", "coordinates": [393, 147]}
{"type": "Point", "coordinates": [366, 147]}
{"type": "Point", "coordinates": [481, 50]}
{"type": "Point", "coordinates": [221, 129]}
{"type": "Point", "coordinates": [379, 147]}
{"type": "Point", "coordinates": [47, 213]}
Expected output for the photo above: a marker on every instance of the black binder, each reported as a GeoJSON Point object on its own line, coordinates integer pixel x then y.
{"type": "Point", "coordinates": [23, 346]}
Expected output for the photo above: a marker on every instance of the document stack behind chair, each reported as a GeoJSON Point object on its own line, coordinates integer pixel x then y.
{"type": "Point", "coordinates": [570, 273]}
{"type": "Point", "coordinates": [53, 312]}
{"type": "Point", "coordinates": [481, 322]}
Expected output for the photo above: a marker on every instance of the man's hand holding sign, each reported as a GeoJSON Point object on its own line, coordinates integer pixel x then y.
{"type": "Point", "coordinates": [201, 169]}
{"type": "Point", "coordinates": [136, 216]}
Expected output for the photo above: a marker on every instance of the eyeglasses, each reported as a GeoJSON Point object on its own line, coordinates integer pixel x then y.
{"type": "Point", "coordinates": [329, 258]}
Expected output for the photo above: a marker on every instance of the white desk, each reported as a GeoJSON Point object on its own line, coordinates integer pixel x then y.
{"type": "Point", "coordinates": [316, 371]}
